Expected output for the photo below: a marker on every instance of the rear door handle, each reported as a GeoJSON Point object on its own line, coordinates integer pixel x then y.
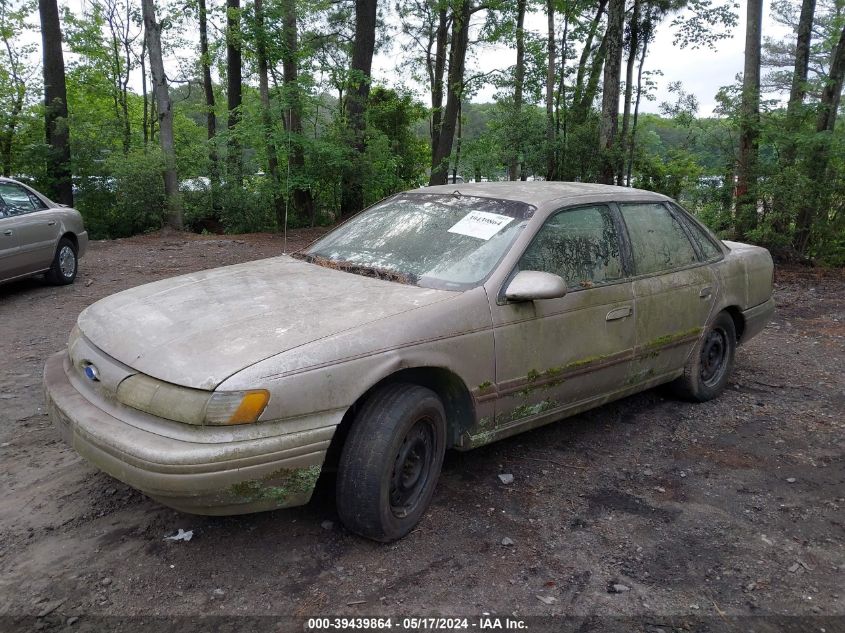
{"type": "Point", "coordinates": [618, 313]}
{"type": "Point", "coordinates": [51, 223]}
{"type": "Point", "coordinates": [705, 292]}
{"type": "Point", "coordinates": [9, 232]}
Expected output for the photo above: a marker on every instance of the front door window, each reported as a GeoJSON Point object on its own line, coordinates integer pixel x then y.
{"type": "Point", "coordinates": [580, 245]}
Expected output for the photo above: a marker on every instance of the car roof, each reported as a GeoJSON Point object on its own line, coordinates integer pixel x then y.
{"type": "Point", "coordinates": [541, 192]}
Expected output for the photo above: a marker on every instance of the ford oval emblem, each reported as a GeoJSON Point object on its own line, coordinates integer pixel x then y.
{"type": "Point", "coordinates": [91, 372]}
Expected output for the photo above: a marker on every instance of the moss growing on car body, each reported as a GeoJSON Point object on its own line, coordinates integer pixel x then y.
{"type": "Point", "coordinates": [280, 486]}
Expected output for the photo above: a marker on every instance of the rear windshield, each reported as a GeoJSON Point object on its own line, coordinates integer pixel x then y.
{"type": "Point", "coordinates": [446, 241]}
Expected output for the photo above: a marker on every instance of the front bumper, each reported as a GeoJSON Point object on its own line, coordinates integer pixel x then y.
{"type": "Point", "coordinates": [756, 319]}
{"type": "Point", "coordinates": [202, 473]}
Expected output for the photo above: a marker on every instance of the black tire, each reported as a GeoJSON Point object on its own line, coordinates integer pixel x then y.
{"type": "Point", "coordinates": [391, 461]}
{"type": "Point", "coordinates": [65, 264]}
{"type": "Point", "coordinates": [711, 362]}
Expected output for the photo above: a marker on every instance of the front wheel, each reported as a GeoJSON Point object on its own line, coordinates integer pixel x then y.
{"type": "Point", "coordinates": [710, 365]}
{"type": "Point", "coordinates": [63, 269]}
{"type": "Point", "coordinates": [391, 461]}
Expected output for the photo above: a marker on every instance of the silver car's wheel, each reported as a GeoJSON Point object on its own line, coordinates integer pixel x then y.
{"type": "Point", "coordinates": [63, 270]}
{"type": "Point", "coordinates": [67, 262]}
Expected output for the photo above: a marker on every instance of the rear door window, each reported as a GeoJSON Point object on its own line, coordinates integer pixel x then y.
{"type": "Point", "coordinates": [658, 241]}
{"type": "Point", "coordinates": [704, 242]}
{"type": "Point", "coordinates": [16, 199]}
{"type": "Point", "coordinates": [580, 245]}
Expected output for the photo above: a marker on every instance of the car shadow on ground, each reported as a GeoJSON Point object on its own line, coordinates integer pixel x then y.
{"type": "Point", "coordinates": [23, 286]}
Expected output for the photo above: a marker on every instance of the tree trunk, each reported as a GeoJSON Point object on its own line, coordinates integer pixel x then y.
{"type": "Point", "coordinates": [266, 114]}
{"type": "Point", "coordinates": [581, 107]}
{"type": "Point", "coordinates": [518, 81]}
{"type": "Point", "coordinates": [550, 91]}
{"type": "Point", "coordinates": [746, 201]}
{"type": "Point", "coordinates": [352, 191]}
{"type": "Point", "coordinates": [458, 146]}
{"type": "Point", "coordinates": [208, 89]}
{"type": "Point", "coordinates": [152, 33]}
{"type": "Point", "coordinates": [799, 78]}
{"type": "Point", "coordinates": [437, 77]}
{"type": "Point", "coordinates": [577, 94]}
{"type": "Point", "coordinates": [633, 141]}
{"type": "Point", "coordinates": [233, 93]}
{"type": "Point", "coordinates": [145, 97]}
{"type": "Point", "coordinates": [819, 155]}
{"type": "Point", "coordinates": [55, 104]}
{"type": "Point", "coordinates": [124, 88]}
{"type": "Point", "coordinates": [303, 202]}
{"type": "Point", "coordinates": [455, 84]}
{"type": "Point", "coordinates": [794, 108]}
{"type": "Point", "coordinates": [153, 115]}
{"type": "Point", "coordinates": [726, 195]}
{"type": "Point", "coordinates": [633, 48]}
{"type": "Point", "coordinates": [610, 90]}
{"type": "Point", "coordinates": [561, 111]}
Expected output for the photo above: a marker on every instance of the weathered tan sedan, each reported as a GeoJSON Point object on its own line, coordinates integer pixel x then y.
{"type": "Point", "coordinates": [38, 236]}
{"type": "Point", "coordinates": [439, 318]}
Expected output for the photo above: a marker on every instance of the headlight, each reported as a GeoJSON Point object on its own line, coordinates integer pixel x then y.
{"type": "Point", "coordinates": [191, 406]}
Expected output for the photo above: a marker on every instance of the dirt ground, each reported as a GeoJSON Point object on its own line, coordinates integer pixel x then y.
{"type": "Point", "coordinates": [647, 514]}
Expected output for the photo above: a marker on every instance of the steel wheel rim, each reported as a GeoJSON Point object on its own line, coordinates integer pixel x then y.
{"type": "Point", "coordinates": [67, 262]}
{"type": "Point", "coordinates": [714, 354]}
{"type": "Point", "coordinates": [412, 468]}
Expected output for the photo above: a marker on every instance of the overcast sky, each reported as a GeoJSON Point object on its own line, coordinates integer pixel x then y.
{"type": "Point", "coordinates": [702, 71]}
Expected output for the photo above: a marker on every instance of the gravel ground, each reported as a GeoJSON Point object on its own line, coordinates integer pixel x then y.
{"type": "Point", "coordinates": [646, 514]}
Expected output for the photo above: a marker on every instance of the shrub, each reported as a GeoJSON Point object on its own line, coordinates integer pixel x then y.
{"type": "Point", "coordinates": [128, 200]}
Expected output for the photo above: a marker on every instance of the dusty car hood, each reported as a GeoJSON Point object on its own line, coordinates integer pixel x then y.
{"type": "Point", "coordinates": [197, 330]}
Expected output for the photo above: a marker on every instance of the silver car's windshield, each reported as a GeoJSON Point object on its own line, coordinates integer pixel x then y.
{"type": "Point", "coordinates": [447, 241]}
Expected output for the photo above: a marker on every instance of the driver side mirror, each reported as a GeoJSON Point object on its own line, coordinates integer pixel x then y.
{"type": "Point", "coordinates": [531, 285]}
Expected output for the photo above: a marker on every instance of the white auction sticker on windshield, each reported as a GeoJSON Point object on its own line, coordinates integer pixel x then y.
{"type": "Point", "coordinates": [481, 224]}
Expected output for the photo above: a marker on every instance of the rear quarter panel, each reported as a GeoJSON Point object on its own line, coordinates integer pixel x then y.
{"type": "Point", "coordinates": [71, 222]}
{"type": "Point", "coordinates": [746, 275]}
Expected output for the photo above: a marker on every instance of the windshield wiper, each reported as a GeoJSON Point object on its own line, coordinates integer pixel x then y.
{"type": "Point", "coordinates": [358, 269]}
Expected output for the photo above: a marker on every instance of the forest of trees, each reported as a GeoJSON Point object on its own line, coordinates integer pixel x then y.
{"type": "Point", "coordinates": [245, 115]}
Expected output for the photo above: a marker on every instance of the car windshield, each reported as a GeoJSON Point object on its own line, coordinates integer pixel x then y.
{"type": "Point", "coordinates": [446, 241]}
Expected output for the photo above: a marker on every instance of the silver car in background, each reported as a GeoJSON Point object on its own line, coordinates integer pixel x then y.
{"type": "Point", "coordinates": [38, 235]}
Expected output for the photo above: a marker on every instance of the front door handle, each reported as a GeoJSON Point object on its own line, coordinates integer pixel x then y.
{"type": "Point", "coordinates": [9, 232]}
{"type": "Point", "coordinates": [705, 292]}
{"type": "Point", "coordinates": [618, 313]}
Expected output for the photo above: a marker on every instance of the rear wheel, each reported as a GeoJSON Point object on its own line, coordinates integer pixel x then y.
{"type": "Point", "coordinates": [63, 269]}
{"type": "Point", "coordinates": [391, 461]}
{"type": "Point", "coordinates": [710, 365]}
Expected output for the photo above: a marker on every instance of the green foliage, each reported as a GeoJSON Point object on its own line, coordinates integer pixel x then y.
{"type": "Point", "coordinates": [393, 114]}
{"type": "Point", "coordinates": [19, 80]}
{"type": "Point", "coordinates": [249, 207]}
{"type": "Point", "coordinates": [128, 199]}
{"type": "Point", "coordinates": [117, 166]}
